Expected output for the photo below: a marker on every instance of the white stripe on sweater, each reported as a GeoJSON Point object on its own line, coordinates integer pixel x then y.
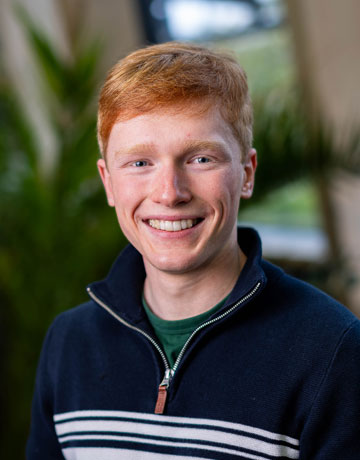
{"type": "Point", "coordinates": [89, 453]}
{"type": "Point", "coordinates": [176, 420]}
{"type": "Point", "coordinates": [178, 432]}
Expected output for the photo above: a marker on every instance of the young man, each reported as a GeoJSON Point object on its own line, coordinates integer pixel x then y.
{"type": "Point", "coordinates": [193, 346]}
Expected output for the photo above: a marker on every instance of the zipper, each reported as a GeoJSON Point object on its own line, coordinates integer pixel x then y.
{"type": "Point", "coordinates": [116, 316]}
{"type": "Point", "coordinates": [169, 373]}
{"type": "Point", "coordinates": [214, 320]}
{"type": "Point", "coordinates": [162, 392]}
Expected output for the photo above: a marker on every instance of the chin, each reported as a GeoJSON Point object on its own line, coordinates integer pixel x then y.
{"type": "Point", "coordinates": [174, 265]}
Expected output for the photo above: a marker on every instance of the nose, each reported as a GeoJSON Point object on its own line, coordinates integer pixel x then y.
{"type": "Point", "coordinates": [170, 187]}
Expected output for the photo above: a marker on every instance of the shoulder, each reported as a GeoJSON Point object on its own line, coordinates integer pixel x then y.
{"type": "Point", "coordinates": [77, 326]}
{"type": "Point", "coordinates": [307, 312]}
{"type": "Point", "coordinates": [82, 314]}
{"type": "Point", "coordinates": [302, 295]}
{"type": "Point", "coordinates": [78, 339]}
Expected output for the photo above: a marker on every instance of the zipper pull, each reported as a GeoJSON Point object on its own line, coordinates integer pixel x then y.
{"type": "Point", "coordinates": [162, 393]}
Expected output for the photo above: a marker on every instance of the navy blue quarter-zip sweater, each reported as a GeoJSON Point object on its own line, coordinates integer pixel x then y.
{"type": "Point", "coordinates": [275, 374]}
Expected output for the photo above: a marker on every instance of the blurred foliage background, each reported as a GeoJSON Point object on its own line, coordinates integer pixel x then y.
{"type": "Point", "coordinates": [52, 221]}
{"type": "Point", "coordinates": [56, 232]}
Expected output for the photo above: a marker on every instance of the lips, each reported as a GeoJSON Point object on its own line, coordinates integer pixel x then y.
{"type": "Point", "coordinates": [172, 225]}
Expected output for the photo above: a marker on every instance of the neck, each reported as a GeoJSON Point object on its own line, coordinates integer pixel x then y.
{"type": "Point", "coordinates": [178, 296]}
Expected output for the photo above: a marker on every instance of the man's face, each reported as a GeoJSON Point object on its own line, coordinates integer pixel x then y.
{"type": "Point", "coordinates": [175, 180]}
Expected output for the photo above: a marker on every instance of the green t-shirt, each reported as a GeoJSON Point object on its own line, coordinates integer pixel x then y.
{"type": "Point", "coordinates": [174, 334]}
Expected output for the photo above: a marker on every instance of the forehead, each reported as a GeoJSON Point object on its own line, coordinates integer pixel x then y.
{"type": "Point", "coordinates": [171, 126]}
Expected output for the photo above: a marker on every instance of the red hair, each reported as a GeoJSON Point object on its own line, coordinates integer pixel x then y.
{"type": "Point", "coordinates": [176, 74]}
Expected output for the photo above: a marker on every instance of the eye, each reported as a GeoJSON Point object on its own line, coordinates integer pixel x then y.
{"type": "Point", "coordinates": [140, 163]}
{"type": "Point", "coordinates": [200, 160]}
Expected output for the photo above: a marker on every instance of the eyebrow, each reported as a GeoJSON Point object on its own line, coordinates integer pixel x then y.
{"type": "Point", "coordinates": [136, 149]}
{"type": "Point", "coordinates": [199, 146]}
{"type": "Point", "coordinates": [190, 146]}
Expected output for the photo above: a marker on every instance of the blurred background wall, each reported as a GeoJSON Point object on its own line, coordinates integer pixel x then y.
{"type": "Point", "coordinates": [326, 38]}
{"type": "Point", "coordinates": [56, 233]}
{"type": "Point", "coordinates": [116, 24]}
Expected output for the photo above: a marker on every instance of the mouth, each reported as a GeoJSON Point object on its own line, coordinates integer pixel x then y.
{"type": "Point", "coordinates": [173, 225]}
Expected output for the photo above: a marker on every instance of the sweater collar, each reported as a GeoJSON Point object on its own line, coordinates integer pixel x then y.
{"type": "Point", "coordinates": [121, 290]}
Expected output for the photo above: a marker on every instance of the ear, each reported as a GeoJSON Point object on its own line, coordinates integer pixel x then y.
{"type": "Point", "coordinates": [106, 180]}
{"type": "Point", "coordinates": [249, 166]}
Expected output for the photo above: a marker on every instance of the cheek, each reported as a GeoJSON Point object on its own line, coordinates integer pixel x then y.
{"type": "Point", "coordinates": [123, 194]}
{"type": "Point", "coordinates": [231, 194]}
{"type": "Point", "coordinates": [222, 193]}
{"type": "Point", "coordinates": [235, 179]}
{"type": "Point", "coordinates": [128, 197]}
{"type": "Point", "coordinates": [229, 185]}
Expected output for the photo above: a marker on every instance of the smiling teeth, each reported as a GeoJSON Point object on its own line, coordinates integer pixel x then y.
{"type": "Point", "coordinates": [172, 225]}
